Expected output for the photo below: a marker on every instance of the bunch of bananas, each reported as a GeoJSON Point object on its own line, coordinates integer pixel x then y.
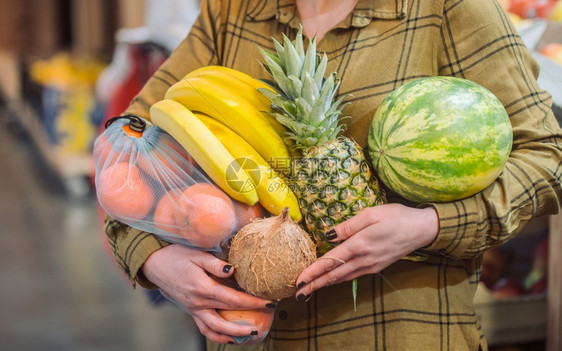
{"type": "Point", "coordinates": [217, 114]}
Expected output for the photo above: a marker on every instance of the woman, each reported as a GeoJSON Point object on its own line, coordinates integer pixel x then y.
{"type": "Point", "coordinates": [375, 46]}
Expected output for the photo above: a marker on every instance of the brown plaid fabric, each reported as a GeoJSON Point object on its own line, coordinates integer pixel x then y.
{"type": "Point", "coordinates": [381, 45]}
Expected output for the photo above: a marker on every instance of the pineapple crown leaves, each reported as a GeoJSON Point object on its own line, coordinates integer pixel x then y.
{"type": "Point", "coordinates": [303, 100]}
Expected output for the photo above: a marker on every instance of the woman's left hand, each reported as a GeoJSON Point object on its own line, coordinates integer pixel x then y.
{"type": "Point", "coordinates": [370, 241]}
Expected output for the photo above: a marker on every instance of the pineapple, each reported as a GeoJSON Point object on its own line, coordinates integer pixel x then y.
{"type": "Point", "coordinates": [331, 179]}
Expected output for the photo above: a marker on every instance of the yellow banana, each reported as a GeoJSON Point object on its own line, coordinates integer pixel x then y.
{"type": "Point", "coordinates": [205, 149]}
{"type": "Point", "coordinates": [233, 77]}
{"type": "Point", "coordinates": [202, 95]}
{"type": "Point", "coordinates": [274, 194]}
{"type": "Point", "coordinates": [245, 85]}
{"type": "Point", "coordinates": [247, 79]}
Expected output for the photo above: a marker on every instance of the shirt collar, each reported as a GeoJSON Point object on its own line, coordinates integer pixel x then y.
{"type": "Point", "coordinates": [285, 11]}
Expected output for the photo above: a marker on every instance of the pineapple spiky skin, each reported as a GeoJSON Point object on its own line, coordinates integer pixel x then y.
{"type": "Point", "coordinates": [332, 178]}
{"type": "Point", "coordinates": [333, 182]}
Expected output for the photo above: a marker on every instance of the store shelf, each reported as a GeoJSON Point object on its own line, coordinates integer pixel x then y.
{"type": "Point", "coordinates": [527, 318]}
{"type": "Point", "coordinates": [72, 171]}
{"type": "Point", "coordinates": [508, 311]}
{"type": "Point", "coordinates": [511, 320]}
{"type": "Point", "coordinates": [66, 165]}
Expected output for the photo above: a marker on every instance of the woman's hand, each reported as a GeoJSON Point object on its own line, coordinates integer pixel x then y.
{"type": "Point", "coordinates": [184, 276]}
{"type": "Point", "coordinates": [370, 241]}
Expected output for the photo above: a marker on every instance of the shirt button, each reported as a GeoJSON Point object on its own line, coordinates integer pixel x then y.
{"type": "Point", "coordinates": [283, 315]}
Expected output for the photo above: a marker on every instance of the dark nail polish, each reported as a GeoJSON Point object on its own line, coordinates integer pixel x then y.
{"type": "Point", "coordinates": [331, 235]}
{"type": "Point", "coordinates": [230, 342]}
{"type": "Point", "coordinates": [226, 268]}
{"type": "Point", "coordinates": [301, 284]}
{"type": "Point", "coordinates": [302, 297]}
{"type": "Point", "coordinates": [271, 305]}
{"type": "Point", "coordinates": [254, 332]}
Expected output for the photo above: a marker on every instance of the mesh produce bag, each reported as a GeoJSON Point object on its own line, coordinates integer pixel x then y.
{"type": "Point", "coordinates": [146, 179]}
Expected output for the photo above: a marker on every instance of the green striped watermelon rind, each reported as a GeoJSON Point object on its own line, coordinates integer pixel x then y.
{"type": "Point", "coordinates": [439, 139]}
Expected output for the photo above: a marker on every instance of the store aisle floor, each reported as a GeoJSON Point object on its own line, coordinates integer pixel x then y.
{"type": "Point", "coordinates": [59, 289]}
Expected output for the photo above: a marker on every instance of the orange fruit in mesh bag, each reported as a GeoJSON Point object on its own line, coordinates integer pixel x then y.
{"type": "Point", "coordinates": [165, 214]}
{"type": "Point", "coordinates": [105, 153]}
{"type": "Point", "coordinates": [209, 214]}
{"type": "Point", "coordinates": [262, 319]}
{"type": "Point", "coordinates": [166, 161]}
{"type": "Point", "coordinates": [246, 213]}
{"type": "Point", "coordinates": [124, 192]}
{"type": "Point", "coordinates": [176, 147]}
{"type": "Point", "coordinates": [116, 145]}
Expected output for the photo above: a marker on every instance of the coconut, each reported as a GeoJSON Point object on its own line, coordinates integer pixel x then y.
{"type": "Point", "coordinates": [268, 254]}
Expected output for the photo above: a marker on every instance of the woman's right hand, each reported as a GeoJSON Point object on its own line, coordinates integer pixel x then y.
{"type": "Point", "coordinates": [184, 275]}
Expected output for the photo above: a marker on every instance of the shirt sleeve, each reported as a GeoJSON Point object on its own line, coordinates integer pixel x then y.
{"type": "Point", "coordinates": [479, 43]}
{"type": "Point", "coordinates": [131, 247]}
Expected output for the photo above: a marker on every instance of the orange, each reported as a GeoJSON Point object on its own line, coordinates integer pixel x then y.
{"type": "Point", "coordinates": [168, 142]}
{"type": "Point", "coordinates": [124, 192]}
{"type": "Point", "coordinates": [105, 154]}
{"type": "Point", "coordinates": [209, 213]}
{"type": "Point", "coordinates": [164, 214]}
{"type": "Point", "coordinates": [261, 319]}
{"type": "Point", "coordinates": [208, 189]}
{"type": "Point", "coordinates": [532, 8]}
{"type": "Point", "coordinates": [246, 213]}
{"type": "Point", "coordinates": [168, 163]}
{"type": "Point", "coordinates": [553, 51]}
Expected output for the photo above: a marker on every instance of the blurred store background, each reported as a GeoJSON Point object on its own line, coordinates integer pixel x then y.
{"type": "Point", "coordinates": [68, 65]}
{"type": "Point", "coordinates": [65, 67]}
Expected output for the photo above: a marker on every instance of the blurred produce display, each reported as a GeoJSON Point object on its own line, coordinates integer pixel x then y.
{"type": "Point", "coordinates": [520, 267]}
{"type": "Point", "coordinates": [553, 51]}
{"type": "Point", "coordinates": [531, 8]}
{"type": "Point", "coordinates": [525, 13]}
{"type": "Point", "coordinates": [67, 100]}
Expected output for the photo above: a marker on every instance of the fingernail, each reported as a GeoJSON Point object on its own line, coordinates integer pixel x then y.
{"type": "Point", "coordinates": [302, 297]}
{"type": "Point", "coordinates": [254, 332]}
{"type": "Point", "coordinates": [331, 235]}
{"type": "Point", "coordinates": [271, 305]}
{"type": "Point", "coordinates": [226, 268]}
{"type": "Point", "coordinates": [301, 284]}
{"type": "Point", "coordinates": [230, 342]}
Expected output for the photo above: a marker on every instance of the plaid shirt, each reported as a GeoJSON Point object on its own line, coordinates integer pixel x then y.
{"type": "Point", "coordinates": [381, 45]}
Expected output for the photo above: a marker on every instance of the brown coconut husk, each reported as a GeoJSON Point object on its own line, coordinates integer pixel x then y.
{"type": "Point", "coordinates": [269, 254]}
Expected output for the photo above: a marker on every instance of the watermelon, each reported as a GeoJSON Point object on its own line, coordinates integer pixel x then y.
{"type": "Point", "coordinates": [439, 139]}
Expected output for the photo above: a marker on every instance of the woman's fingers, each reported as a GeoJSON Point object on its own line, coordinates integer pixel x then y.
{"type": "Point", "coordinates": [223, 292]}
{"type": "Point", "coordinates": [353, 225]}
{"type": "Point", "coordinates": [198, 280]}
{"type": "Point", "coordinates": [218, 327]}
{"type": "Point", "coordinates": [211, 334]}
{"type": "Point", "coordinates": [213, 324]}
{"type": "Point", "coordinates": [224, 297]}
{"type": "Point", "coordinates": [210, 293]}
{"type": "Point", "coordinates": [213, 265]}
{"type": "Point", "coordinates": [327, 263]}
{"type": "Point", "coordinates": [200, 283]}
{"type": "Point", "coordinates": [345, 272]}
{"type": "Point", "coordinates": [369, 242]}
